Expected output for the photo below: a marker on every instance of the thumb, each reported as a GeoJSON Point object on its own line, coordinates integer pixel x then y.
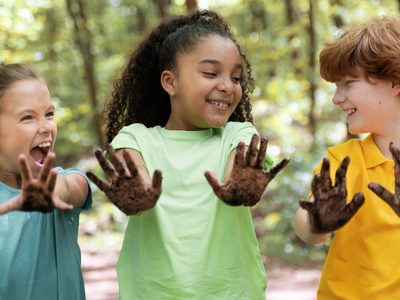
{"type": "Point", "coordinates": [61, 204]}
{"type": "Point", "coordinates": [213, 181]}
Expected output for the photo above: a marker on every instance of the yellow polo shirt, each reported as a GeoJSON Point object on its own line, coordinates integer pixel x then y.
{"type": "Point", "coordinates": [364, 259]}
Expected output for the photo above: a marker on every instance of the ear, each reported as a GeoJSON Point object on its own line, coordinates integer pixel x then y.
{"type": "Point", "coordinates": [167, 81]}
{"type": "Point", "coordinates": [395, 89]}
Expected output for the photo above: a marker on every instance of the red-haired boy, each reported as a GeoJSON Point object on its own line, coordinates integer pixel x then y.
{"type": "Point", "coordinates": [363, 261]}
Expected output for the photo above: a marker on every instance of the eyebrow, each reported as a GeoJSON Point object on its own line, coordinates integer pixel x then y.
{"type": "Point", "coordinates": [216, 62]}
{"type": "Point", "coordinates": [32, 110]}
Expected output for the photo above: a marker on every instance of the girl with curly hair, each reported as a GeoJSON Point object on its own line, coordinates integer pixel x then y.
{"type": "Point", "coordinates": [182, 105]}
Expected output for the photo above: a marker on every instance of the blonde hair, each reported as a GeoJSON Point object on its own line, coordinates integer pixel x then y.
{"type": "Point", "coordinates": [12, 73]}
{"type": "Point", "coordinates": [371, 48]}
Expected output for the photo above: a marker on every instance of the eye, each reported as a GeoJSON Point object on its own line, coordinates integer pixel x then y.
{"type": "Point", "coordinates": [236, 79]}
{"type": "Point", "coordinates": [26, 118]}
{"type": "Point", "coordinates": [349, 82]}
{"type": "Point", "coordinates": [50, 114]}
{"type": "Point", "coordinates": [210, 74]}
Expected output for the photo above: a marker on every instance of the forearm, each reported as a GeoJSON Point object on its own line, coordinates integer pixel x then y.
{"type": "Point", "coordinates": [72, 189]}
{"type": "Point", "coordinates": [302, 227]}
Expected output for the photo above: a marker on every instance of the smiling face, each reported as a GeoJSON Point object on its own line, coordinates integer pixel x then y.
{"type": "Point", "coordinates": [369, 107]}
{"type": "Point", "coordinates": [27, 126]}
{"type": "Point", "coordinates": [205, 85]}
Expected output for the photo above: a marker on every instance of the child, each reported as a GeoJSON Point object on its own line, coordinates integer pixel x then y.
{"type": "Point", "coordinates": [362, 262]}
{"type": "Point", "coordinates": [39, 218]}
{"type": "Point", "coordinates": [181, 86]}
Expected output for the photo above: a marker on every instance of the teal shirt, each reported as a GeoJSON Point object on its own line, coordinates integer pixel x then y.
{"type": "Point", "coordinates": [191, 245]}
{"type": "Point", "coordinates": [40, 257]}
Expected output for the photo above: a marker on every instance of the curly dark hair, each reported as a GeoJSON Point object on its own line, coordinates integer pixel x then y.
{"type": "Point", "coordinates": [138, 96]}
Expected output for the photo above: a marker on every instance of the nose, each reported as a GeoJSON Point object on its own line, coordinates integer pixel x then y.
{"type": "Point", "coordinates": [45, 126]}
{"type": "Point", "coordinates": [226, 86]}
{"type": "Point", "coordinates": [339, 97]}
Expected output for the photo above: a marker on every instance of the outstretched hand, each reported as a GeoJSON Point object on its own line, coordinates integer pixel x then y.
{"type": "Point", "coordinates": [36, 195]}
{"type": "Point", "coordinates": [392, 199]}
{"type": "Point", "coordinates": [330, 210]}
{"type": "Point", "coordinates": [248, 180]}
{"type": "Point", "coordinates": [126, 189]}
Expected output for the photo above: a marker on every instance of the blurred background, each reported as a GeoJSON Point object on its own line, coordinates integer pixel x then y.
{"type": "Point", "coordinates": [79, 46]}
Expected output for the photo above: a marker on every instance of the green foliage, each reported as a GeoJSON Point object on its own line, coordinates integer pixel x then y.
{"type": "Point", "coordinates": [277, 42]}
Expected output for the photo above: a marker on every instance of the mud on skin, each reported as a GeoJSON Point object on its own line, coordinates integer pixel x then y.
{"type": "Point", "coordinates": [392, 199]}
{"type": "Point", "coordinates": [248, 180]}
{"type": "Point", "coordinates": [126, 189]}
{"type": "Point", "coordinates": [330, 210]}
{"type": "Point", "coordinates": [36, 199]}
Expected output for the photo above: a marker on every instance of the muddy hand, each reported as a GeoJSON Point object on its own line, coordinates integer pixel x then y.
{"type": "Point", "coordinates": [36, 195]}
{"type": "Point", "coordinates": [126, 189]}
{"type": "Point", "coordinates": [248, 180]}
{"type": "Point", "coordinates": [392, 199]}
{"type": "Point", "coordinates": [330, 210]}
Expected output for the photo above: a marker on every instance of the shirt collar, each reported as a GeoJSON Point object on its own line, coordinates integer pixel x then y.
{"type": "Point", "coordinates": [372, 155]}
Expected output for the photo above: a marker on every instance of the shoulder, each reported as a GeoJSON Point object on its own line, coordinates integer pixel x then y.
{"type": "Point", "coordinates": [351, 148]}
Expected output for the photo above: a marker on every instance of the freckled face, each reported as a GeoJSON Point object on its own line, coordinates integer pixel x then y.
{"type": "Point", "coordinates": [369, 107]}
{"type": "Point", "coordinates": [27, 126]}
{"type": "Point", "coordinates": [207, 88]}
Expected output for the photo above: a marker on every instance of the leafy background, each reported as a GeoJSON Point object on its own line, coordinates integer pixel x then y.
{"type": "Point", "coordinates": [79, 47]}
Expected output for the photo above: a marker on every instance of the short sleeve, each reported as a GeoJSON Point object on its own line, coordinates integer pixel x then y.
{"type": "Point", "coordinates": [244, 133]}
{"type": "Point", "coordinates": [126, 137]}
{"type": "Point", "coordinates": [89, 201]}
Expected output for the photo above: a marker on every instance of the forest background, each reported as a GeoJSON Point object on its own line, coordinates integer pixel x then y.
{"type": "Point", "coordinates": [79, 46]}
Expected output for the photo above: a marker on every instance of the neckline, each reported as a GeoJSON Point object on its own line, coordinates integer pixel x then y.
{"type": "Point", "coordinates": [185, 134]}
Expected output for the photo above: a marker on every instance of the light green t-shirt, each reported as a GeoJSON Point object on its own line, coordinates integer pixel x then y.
{"type": "Point", "coordinates": [191, 245]}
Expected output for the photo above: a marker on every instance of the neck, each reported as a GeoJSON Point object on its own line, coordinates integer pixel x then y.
{"type": "Point", "coordinates": [10, 179]}
{"type": "Point", "coordinates": [382, 142]}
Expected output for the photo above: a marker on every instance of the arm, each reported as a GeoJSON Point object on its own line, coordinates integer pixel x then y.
{"type": "Point", "coordinates": [72, 189]}
{"type": "Point", "coordinates": [329, 210]}
{"type": "Point", "coordinates": [302, 227]}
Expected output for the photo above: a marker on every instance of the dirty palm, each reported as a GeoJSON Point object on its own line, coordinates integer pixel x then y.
{"type": "Point", "coordinates": [131, 195]}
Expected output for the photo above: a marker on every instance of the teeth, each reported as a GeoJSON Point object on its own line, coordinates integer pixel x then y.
{"type": "Point", "coordinates": [44, 145]}
{"type": "Point", "coordinates": [219, 104]}
{"type": "Point", "coordinates": [349, 111]}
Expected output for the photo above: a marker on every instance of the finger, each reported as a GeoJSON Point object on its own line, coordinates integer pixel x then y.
{"type": "Point", "coordinates": [45, 170]}
{"type": "Point", "coordinates": [62, 205]}
{"type": "Point", "coordinates": [275, 170]}
{"type": "Point", "coordinates": [395, 152]}
{"type": "Point", "coordinates": [101, 183]}
{"type": "Point", "coordinates": [325, 175]}
{"type": "Point", "coordinates": [261, 153]}
{"type": "Point", "coordinates": [382, 193]}
{"type": "Point", "coordinates": [156, 182]}
{"type": "Point", "coordinates": [340, 177]}
{"type": "Point", "coordinates": [26, 174]}
{"type": "Point", "coordinates": [316, 187]}
{"type": "Point", "coordinates": [105, 165]}
{"type": "Point", "coordinates": [213, 181]}
{"type": "Point", "coordinates": [239, 157]}
{"type": "Point", "coordinates": [52, 181]}
{"type": "Point", "coordinates": [130, 163]}
{"type": "Point", "coordinates": [11, 205]}
{"type": "Point", "coordinates": [115, 160]}
{"type": "Point", "coordinates": [251, 154]}
{"type": "Point", "coordinates": [354, 205]}
{"type": "Point", "coordinates": [307, 205]}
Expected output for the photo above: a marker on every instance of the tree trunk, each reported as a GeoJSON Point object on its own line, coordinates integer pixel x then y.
{"type": "Point", "coordinates": [83, 39]}
{"type": "Point", "coordinates": [292, 17]}
{"type": "Point", "coordinates": [311, 64]}
{"type": "Point", "coordinates": [160, 5]}
{"type": "Point", "coordinates": [192, 5]}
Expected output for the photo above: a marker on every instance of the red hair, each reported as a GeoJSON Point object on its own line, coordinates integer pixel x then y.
{"type": "Point", "coordinates": [372, 48]}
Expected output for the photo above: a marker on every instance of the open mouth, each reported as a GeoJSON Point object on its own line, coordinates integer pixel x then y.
{"type": "Point", "coordinates": [220, 104]}
{"type": "Point", "coordinates": [39, 153]}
